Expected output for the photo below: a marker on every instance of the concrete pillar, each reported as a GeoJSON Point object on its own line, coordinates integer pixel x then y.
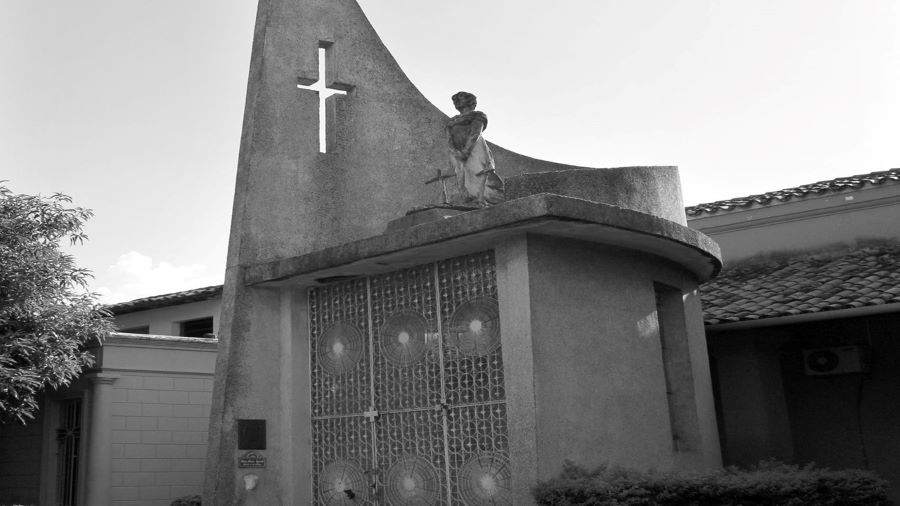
{"type": "Point", "coordinates": [98, 479]}
{"type": "Point", "coordinates": [514, 289]}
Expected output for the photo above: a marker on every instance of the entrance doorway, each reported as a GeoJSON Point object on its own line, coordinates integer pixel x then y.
{"type": "Point", "coordinates": [408, 400]}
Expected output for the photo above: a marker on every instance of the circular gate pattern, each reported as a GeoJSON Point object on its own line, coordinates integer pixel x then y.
{"type": "Point", "coordinates": [484, 479]}
{"type": "Point", "coordinates": [412, 481]}
{"type": "Point", "coordinates": [403, 338]}
{"type": "Point", "coordinates": [340, 348]}
{"type": "Point", "coordinates": [342, 482]}
{"type": "Point", "coordinates": [474, 328]}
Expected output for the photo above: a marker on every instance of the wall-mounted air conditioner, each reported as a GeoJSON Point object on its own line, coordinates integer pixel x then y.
{"type": "Point", "coordinates": [836, 360]}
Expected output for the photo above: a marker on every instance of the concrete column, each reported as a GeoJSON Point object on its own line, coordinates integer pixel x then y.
{"type": "Point", "coordinates": [98, 479]}
{"type": "Point", "coordinates": [514, 290]}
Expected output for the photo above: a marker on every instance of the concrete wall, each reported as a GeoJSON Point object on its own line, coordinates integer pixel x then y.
{"type": "Point", "coordinates": [583, 356]}
{"type": "Point", "coordinates": [803, 224]}
{"type": "Point", "coordinates": [20, 461]}
{"type": "Point", "coordinates": [166, 321]}
{"type": "Point", "coordinates": [753, 414]}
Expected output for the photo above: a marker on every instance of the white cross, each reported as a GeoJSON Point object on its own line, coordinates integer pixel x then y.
{"type": "Point", "coordinates": [319, 86]}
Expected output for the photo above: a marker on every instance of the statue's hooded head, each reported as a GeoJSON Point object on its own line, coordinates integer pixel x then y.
{"type": "Point", "coordinates": [464, 99]}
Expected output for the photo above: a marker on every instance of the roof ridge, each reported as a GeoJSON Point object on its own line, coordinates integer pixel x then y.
{"type": "Point", "coordinates": [166, 299]}
{"type": "Point", "coordinates": [801, 191]}
{"type": "Point", "coordinates": [825, 253]}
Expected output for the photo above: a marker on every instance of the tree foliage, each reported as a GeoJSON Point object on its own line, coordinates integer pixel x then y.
{"type": "Point", "coordinates": [47, 315]}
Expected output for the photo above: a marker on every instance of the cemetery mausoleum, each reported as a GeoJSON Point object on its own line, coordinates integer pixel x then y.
{"type": "Point", "coordinates": [393, 343]}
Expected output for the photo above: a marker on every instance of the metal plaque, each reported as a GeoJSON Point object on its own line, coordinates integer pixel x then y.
{"type": "Point", "coordinates": [251, 434]}
{"type": "Point", "coordinates": [251, 459]}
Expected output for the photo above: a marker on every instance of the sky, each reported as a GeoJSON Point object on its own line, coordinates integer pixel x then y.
{"type": "Point", "coordinates": [134, 107]}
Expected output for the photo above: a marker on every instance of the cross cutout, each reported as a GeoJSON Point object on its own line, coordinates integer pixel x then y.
{"type": "Point", "coordinates": [326, 106]}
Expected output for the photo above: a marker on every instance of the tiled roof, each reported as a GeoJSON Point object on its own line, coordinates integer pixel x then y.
{"type": "Point", "coordinates": [809, 283]}
{"type": "Point", "coordinates": [168, 299]}
{"type": "Point", "coordinates": [832, 185]}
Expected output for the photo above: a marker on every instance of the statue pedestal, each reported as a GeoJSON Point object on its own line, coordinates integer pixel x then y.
{"type": "Point", "coordinates": [480, 351]}
{"type": "Point", "coordinates": [425, 215]}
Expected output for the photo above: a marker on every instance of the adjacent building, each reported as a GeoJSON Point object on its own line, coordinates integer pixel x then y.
{"type": "Point", "coordinates": [803, 325]}
{"type": "Point", "coordinates": [132, 431]}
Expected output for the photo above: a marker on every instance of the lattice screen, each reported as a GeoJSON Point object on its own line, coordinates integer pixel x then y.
{"type": "Point", "coordinates": [408, 400]}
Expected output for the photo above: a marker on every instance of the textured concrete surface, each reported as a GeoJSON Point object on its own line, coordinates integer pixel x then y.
{"type": "Point", "coordinates": [651, 190]}
{"type": "Point", "coordinates": [599, 383]}
{"type": "Point", "coordinates": [419, 217]}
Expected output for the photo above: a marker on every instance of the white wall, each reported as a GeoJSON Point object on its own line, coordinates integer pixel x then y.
{"type": "Point", "coordinates": [160, 415]}
{"type": "Point", "coordinates": [844, 217]}
{"type": "Point", "coordinates": [166, 321]}
{"type": "Point", "coordinates": [159, 429]}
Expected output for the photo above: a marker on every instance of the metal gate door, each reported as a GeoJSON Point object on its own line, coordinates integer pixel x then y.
{"type": "Point", "coordinates": [408, 403]}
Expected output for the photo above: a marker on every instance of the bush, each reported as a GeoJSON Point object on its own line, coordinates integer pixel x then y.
{"type": "Point", "coordinates": [768, 484]}
{"type": "Point", "coordinates": [188, 500]}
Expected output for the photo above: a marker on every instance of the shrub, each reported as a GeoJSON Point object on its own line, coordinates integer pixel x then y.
{"type": "Point", "coordinates": [769, 483]}
{"type": "Point", "coordinates": [188, 500]}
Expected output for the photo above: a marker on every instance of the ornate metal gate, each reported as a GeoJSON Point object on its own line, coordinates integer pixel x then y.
{"type": "Point", "coordinates": [408, 403]}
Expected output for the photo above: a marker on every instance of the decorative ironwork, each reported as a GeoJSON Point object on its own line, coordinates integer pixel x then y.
{"type": "Point", "coordinates": [340, 348]}
{"type": "Point", "coordinates": [404, 338]}
{"type": "Point", "coordinates": [485, 480]}
{"type": "Point", "coordinates": [68, 437]}
{"type": "Point", "coordinates": [399, 435]}
{"type": "Point", "coordinates": [408, 400]}
{"type": "Point", "coordinates": [416, 384]}
{"type": "Point", "coordinates": [474, 327]}
{"type": "Point", "coordinates": [350, 391]}
{"type": "Point", "coordinates": [473, 431]}
{"type": "Point", "coordinates": [343, 482]}
{"type": "Point", "coordinates": [412, 481]}
{"type": "Point", "coordinates": [469, 379]}
{"type": "Point", "coordinates": [345, 440]}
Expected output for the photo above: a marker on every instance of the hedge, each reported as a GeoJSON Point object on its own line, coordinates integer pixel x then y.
{"type": "Point", "coordinates": [188, 500]}
{"type": "Point", "coordinates": [769, 483]}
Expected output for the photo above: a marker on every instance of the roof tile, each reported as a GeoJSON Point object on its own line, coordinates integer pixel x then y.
{"type": "Point", "coordinates": [168, 299]}
{"type": "Point", "coordinates": [829, 186]}
{"type": "Point", "coordinates": [805, 283]}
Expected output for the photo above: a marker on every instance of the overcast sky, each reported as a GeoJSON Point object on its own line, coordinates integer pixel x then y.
{"type": "Point", "coordinates": [134, 107]}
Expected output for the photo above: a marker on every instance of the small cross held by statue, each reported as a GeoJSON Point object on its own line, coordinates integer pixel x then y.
{"type": "Point", "coordinates": [440, 176]}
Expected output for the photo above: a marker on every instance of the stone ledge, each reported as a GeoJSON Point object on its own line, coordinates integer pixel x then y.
{"type": "Point", "coordinates": [124, 338]}
{"type": "Point", "coordinates": [544, 213]}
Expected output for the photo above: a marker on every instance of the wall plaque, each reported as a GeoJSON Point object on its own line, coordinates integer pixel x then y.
{"type": "Point", "coordinates": [251, 459]}
{"type": "Point", "coordinates": [251, 434]}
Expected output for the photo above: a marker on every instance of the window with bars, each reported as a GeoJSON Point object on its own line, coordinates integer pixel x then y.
{"type": "Point", "coordinates": [68, 459]}
{"type": "Point", "coordinates": [136, 330]}
{"type": "Point", "coordinates": [200, 327]}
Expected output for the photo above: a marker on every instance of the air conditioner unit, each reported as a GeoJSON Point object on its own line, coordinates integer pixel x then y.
{"type": "Point", "coordinates": [837, 360]}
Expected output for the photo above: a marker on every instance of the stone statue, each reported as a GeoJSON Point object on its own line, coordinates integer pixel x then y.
{"type": "Point", "coordinates": [470, 156]}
